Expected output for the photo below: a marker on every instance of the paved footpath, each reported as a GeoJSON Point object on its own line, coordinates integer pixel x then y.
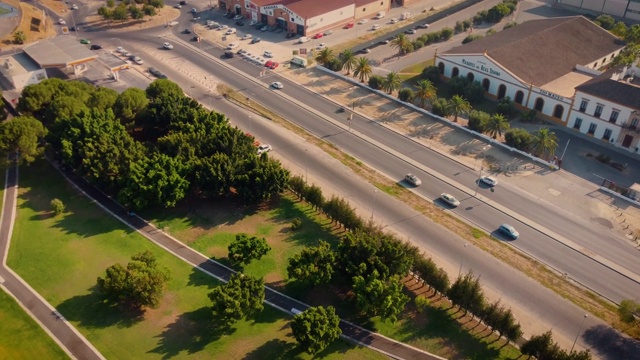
{"type": "Point", "coordinates": [62, 332]}
{"type": "Point", "coordinates": [350, 332]}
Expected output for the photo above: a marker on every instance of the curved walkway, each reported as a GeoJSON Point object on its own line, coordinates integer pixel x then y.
{"type": "Point", "coordinates": [60, 330]}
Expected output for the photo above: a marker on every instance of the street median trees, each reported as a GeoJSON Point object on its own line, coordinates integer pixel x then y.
{"type": "Point", "coordinates": [313, 266]}
{"type": "Point", "coordinates": [245, 249]}
{"type": "Point", "coordinates": [240, 298]}
{"type": "Point", "coordinates": [316, 328]}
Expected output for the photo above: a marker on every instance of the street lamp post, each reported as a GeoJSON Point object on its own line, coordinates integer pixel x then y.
{"type": "Point", "coordinates": [373, 208]}
{"type": "Point", "coordinates": [462, 260]}
{"type": "Point", "coordinates": [349, 120]}
{"type": "Point", "coordinates": [478, 182]}
{"type": "Point", "coordinates": [584, 318]}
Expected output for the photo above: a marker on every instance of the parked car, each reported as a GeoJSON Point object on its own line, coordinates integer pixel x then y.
{"type": "Point", "coordinates": [228, 54]}
{"type": "Point", "coordinates": [327, 33]}
{"type": "Point", "coordinates": [424, 26]}
{"type": "Point", "coordinates": [177, 6]}
{"type": "Point", "coordinates": [167, 46]}
{"type": "Point", "coordinates": [267, 54]}
{"type": "Point", "coordinates": [193, 11]}
{"type": "Point", "coordinates": [363, 21]}
{"type": "Point", "coordinates": [393, 21]}
{"type": "Point", "coordinates": [230, 31]}
{"type": "Point", "coordinates": [277, 85]}
{"type": "Point", "coordinates": [264, 148]}
{"type": "Point", "coordinates": [182, 3]}
{"type": "Point", "coordinates": [73, 28]}
{"type": "Point", "coordinates": [365, 51]}
{"type": "Point", "coordinates": [223, 27]}
{"type": "Point", "coordinates": [489, 180]}
{"type": "Point", "coordinates": [155, 72]}
{"type": "Point", "coordinates": [348, 26]}
{"type": "Point", "coordinates": [268, 63]}
{"type": "Point", "coordinates": [96, 47]}
{"type": "Point", "coordinates": [385, 41]}
{"type": "Point", "coordinates": [232, 45]}
{"type": "Point", "coordinates": [375, 27]}
{"type": "Point", "coordinates": [411, 31]}
{"type": "Point", "coordinates": [303, 40]}
{"type": "Point", "coordinates": [273, 65]}
{"type": "Point", "coordinates": [317, 36]}
{"type": "Point", "coordinates": [412, 179]}
{"type": "Point", "coordinates": [237, 17]}
{"type": "Point", "coordinates": [255, 40]}
{"type": "Point", "coordinates": [74, 7]}
{"type": "Point", "coordinates": [137, 60]}
{"type": "Point", "coordinates": [85, 41]}
{"type": "Point", "coordinates": [321, 46]}
{"type": "Point", "coordinates": [264, 28]}
{"type": "Point", "coordinates": [449, 199]}
{"type": "Point", "coordinates": [240, 23]}
{"type": "Point", "coordinates": [509, 231]}
{"type": "Point", "coordinates": [120, 50]}
{"type": "Point", "coordinates": [246, 37]}
{"type": "Point", "coordinates": [253, 23]}
{"type": "Point", "coordinates": [241, 51]}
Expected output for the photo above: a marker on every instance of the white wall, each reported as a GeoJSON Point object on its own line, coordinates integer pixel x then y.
{"type": "Point", "coordinates": [602, 123]}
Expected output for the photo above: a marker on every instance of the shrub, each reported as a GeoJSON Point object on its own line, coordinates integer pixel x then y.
{"type": "Point", "coordinates": [433, 37]}
{"type": "Point", "coordinates": [459, 27]}
{"type": "Point", "coordinates": [518, 138]}
{"type": "Point", "coordinates": [480, 17]}
{"type": "Point", "coordinates": [490, 32]}
{"type": "Point", "coordinates": [458, 84]}
{"type": "Point", "coordinates": [478, 120]}
{"type": "Point", "coordinates": [466, 24]}
{"type": "Point", "coordinates": [334, 65]}
{"type": "Point", "coordinates": [405, 94]}
{"type": "Point", "coordinates": [474, 93]}
{"type": "Point", "coordinates": [605, 21]}
{"type": "Point", "coordinates": [510, 24]}
{"type": "Point", "coordinates": [296, 223]}
{"type": "Point", "coordinates": [432, 74]}
{"type": "Point", "coordinates": [506, 107]}
{"type": "Point", "coordinates": [417, 44]}
{"type": "Point", "coordinates": [446, 33]}
{"type": "Point", "coordinates": [376, 81]}
{"type": "Point", "coordinates": [439, 107]}
{"type": "Point", "coordinates": [471, 38]}
{"type": "Point", "coordinates": [57, 206]}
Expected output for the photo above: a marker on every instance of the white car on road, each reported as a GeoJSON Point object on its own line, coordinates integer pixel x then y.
{"type": "Point", "coordinates": [412, 179]}
{"type": "Point", "coordinates": [264, 148]}
{"type": "Point", "coordinates": [489, 180]}
{"type": "Point", "coordinates": [223, 27]}
{"type": "Point", "coordinates": [62, 22]}
{"type": "Point", "coordinates": [246, 37]}
{"type": "Point", "coordinates": [232, 45]}
{"type": "Point", "coordinates": [230, 31]}
{"type": "Point", "coordinates": [167, 46]}
{"type": "Point", "coordinates": [449, 199]}
{"type": "Point", "coordinates": [363, 21]}
{"type": "Point", "coordinates": [322, 46]}
{"type": "Point", "coordinates": [267, 54]}
{"type": "Point", "coordinates": [277, 85]}
{"type": "Point", "coordinates": [376, 27]}
{"type": "Point", "coordinates": [394, 21]}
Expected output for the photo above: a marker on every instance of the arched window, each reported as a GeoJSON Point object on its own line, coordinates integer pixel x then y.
{"type": "Point", "coordinates": [441, 67]}
{"type": "Point", "coordinates": [455, 72]}
{"type": "Point", "coordinates": [502, 90]}
{"type": "Point", "coordinates": [539, 104]}
{"type": "Point", "coordinates": [486, 84]}
{"type": "Point", "coordinates": [470, 77]}
{"type": "Point", "coordinates": [519, 97]}
{"type": "Point", "coordinates": [558, 111]}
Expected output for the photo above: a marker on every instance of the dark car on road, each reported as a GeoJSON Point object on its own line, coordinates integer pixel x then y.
{"type": "Point", "coordinates": [96, 47]}
{"type": "Point", "coordinates": [240, 23]}
{"type": "Point", "coordinates": [229, 54]}
{"type": "Point", "coordinates": [182, 2]}
{"type": "Point", "coordinates": [255, 40]}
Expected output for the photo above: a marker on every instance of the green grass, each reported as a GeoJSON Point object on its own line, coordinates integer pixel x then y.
{"type": "Point", "coordinates": [417, 67]}
{"type": "Point", "coordinates": [62, 256]}
{"type": "Point", "coordinates": [21, 337]}
{"type": "Point", "coordinates": [4, 11]}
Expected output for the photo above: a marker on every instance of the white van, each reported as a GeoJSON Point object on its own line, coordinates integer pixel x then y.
{"type": "Point", "coordinates": [380, 15]}
{"type": "Point", "coordinates": [405, 16]}
{"type": "Point", "coordinates": [303, 40]}
{"type": "Point", "coordinates": [299, 60]}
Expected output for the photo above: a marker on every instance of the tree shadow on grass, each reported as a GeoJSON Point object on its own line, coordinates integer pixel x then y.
{"type": "Point", "coordinates": [310, 231]}
{"type": "Point", "coordinates": [609, 344]}
{"type": "Point", "coordinates": [275, 349]}
{"type": "Point", "coordinates": [436, 323]}
{"type": "Point", "coordinates": [191, 332]}
{"type": "Point", "coordinates": [92, 311]}
{"type": "Point", "coordinates": [198, 278]}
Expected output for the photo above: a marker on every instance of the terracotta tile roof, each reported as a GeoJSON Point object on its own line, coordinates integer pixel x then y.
{"type": "Point", "coordinates": [310, 8]}
{"type": "Point", "coordinates": [539, 51]}
{"type": "Point", "coordinates": [617, 91]}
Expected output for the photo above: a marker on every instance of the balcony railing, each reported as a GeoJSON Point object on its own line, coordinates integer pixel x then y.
{"type": "Point", "coordinates": [631, 127]}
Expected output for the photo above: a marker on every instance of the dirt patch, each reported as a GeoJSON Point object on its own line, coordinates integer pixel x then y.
{"type": "Point", "coordinates": [163, 16]}
{"type": "Point", "coordinates": [32, 23]}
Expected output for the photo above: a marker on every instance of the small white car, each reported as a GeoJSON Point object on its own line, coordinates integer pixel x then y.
{"type": "Point", "coordinates": [303, 40]}
{"type": "Point", "coordinates": [230, 31]}
{"type": "Point", "coordinates": [264, 148]}
{"type": "Point", "coordinates": [253, 23]}
{"type": "Point", "coordinates": [509, 230]}
{"type": "Point", "coordinates": [277, 85]}
{"type": "Point", "coordinates": [74, 7]}
{"type": "Point", "coordinates": [449, 199]}
{"type": "Point", "coordinates": [376, 27]}
{"type": "Point", "coordinates": [194, 10]}
{"type": "Point", "coordinates": [424, 26]}
{"type": "Point", "coordinates": [394, 21]}
{"type": "Point", "coordinates": [237, 17]}
{"type": "Point", "coordinates": [138, 61]}
{"type": "Point", "coordinates": [121, 50]}
{"type": "Point", "coordinates": [411, 32]}
{"type": "Point", "coordinates": [267, 54]}
{"type": "Point", "coordinates": [363, 21]}
{"type": "Point", "coordinates": [177, 6]}
{"type": "Point", "coordinates": [232, 45]}
{"type": "Point", "coordinates": [62, 22]}
{"type": "Point", "coordinates": [246, 37]}
{"type": "Point", "coordinates": [322, 46]}
{"type": "Point", "coordinates": [412, 179]}
{"type": "Point", "coordinates": [223, 27]}
{"type": "Point", "coordinates": [167, 46]}
{"type": "Point", "coordinates": [489, 180]}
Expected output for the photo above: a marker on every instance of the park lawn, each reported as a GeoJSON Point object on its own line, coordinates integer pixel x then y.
{"type": "Point", "coordinates": [215, 228]}
{"type": "Point", "coordinates": [21, 337]}
{"type": "Point", "coordinates": [62, 256]}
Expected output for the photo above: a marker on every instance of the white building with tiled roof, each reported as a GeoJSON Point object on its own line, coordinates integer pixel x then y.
{"type": "Point", "coordinates": [538, 64]}
{"type": "Point", "coordinates": [305, 17]}
{"type": "Point", "coordinates": [608, 107]}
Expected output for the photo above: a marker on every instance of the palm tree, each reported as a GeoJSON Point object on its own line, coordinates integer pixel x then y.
{"type": "Point", "coordinates": [325, 56]}
{"type": "Point", "coordinates": [544, 143]}
{"type": "Point", "coordinates": [497, 125]}
{"type": "Point", "coordinates": [457, 106]}
{"type": "Point", "coordinates": [402, 43]}
{"type": "Point", "coordinates": [392, 82]}
{"type": "Point", "coordinates": [363, 69]}
{"type": "Point", "coordinates": [425, 91]}
{"type": "Point", "coordinates": [348, 59]}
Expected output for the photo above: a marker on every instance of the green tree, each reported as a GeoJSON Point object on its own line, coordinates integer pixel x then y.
{"type": "Point", "coordinates": [506, 106]}
{"type": "Point", "coordinates": [376, 82]}
{"type": "Point", "coordinates": [446, 33]}
{"type": "Point", "coordinates": [392, 82]}
{"type": "Point", "coordinates": [57, 206]}
{"type": "Point", "coordinates": [313, 266]}
{"type": "Point", "coordinates": [120, 13]}
{"type": "Point", "coordinates": [544, 143]}
{"type": "Point", "coordinates": [19, 37]}
{"type": "Point", "coordinates": [348, 59]}
{"type": "Point", "coordinates": [149, 10]}
{"type": "Point", "coordinates": [105, 13]}
{"type": "Point", "coordinates": [245, 249]}
{"type": "Point", "coordinates": [238, 299]}
{"type": "Point", "coordinates": [539, 346]}
{"type": "Point", "coordinates": [406, 95]}
{"type": "Point", "coordinates": [605, 21]}
{"type": "Point", "coordinates": [471, 38]}
{"type": "Point", "coordinates": [458, 106]}
{"type": "Point", "coordinates": [497, 125]}
{"type": "Point", "coordinates": [467, 294]}
{"type": "Point", "coordinates": [158, 4]}
{"type": "Point", "coordinates": [518, 138]}
{"type": "Point", "coordinates": [633, 34]}
{"type": "Point", "coordinates": [425, 91]}
{"type": "Point", "coordinates": [316, 328]}
{"type": "Point", "coordinates": [313, 195]}
{"type": "Point", "coordinates": [129, 104]}
{"type": "Point", "coordinates": [363, 69]}
{"type": "Point", "coordinates": [431, 73]}
{"type": "Point", "coordinates": [403, 43]}
{"type": "Point", "coordinates": [478, 120]}
{"type": "Point", "coordinates": [620, 30]}
{"type": "Point", "coordinates": [102, 98]}
{"type": "Point", "coordinates": [135, 12]}
{"type": "Point", "coordinates": [325, 56]}
{"type": "Point", "coordinates": [376, 297]}
{"type": "Point", "coordinates": [510, 24]}
{"type": "Point", "coordinates": [24, 135]}
{"type": "Point", "coordinates": [497, 13]}
{"type": "Point", "coordinates": [629, 311]}
{"type": "Point", "coordinates": [138, 285]}
{"type": "Point", "coordinates": [440, 107]}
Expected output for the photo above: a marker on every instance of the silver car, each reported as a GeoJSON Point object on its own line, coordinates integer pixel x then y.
{"type": "Point", "coordinates": [449, 199]}
{"type": "Point", "coordinates": [509, 231]}
{"type": "Point", "coordinates": [412, 179]}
